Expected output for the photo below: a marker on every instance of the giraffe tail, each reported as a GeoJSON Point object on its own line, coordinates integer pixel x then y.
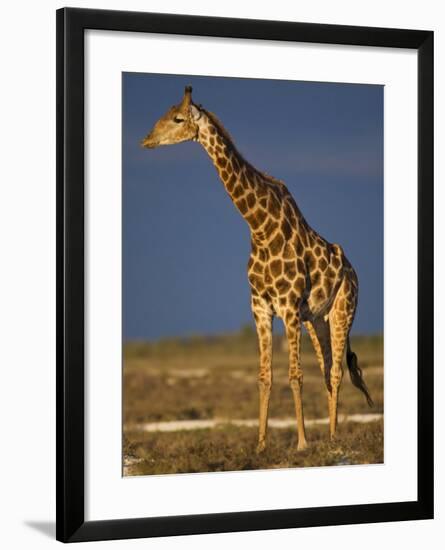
{"type": "Point", "coordinates": [355, 372]}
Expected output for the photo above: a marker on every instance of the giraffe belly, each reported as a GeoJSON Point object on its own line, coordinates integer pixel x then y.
{"type": "Point", "coordinates": [306, 312]}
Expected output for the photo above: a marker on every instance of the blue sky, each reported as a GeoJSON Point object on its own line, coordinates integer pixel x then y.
{"type": "Point", "coordinates": [186, 247]}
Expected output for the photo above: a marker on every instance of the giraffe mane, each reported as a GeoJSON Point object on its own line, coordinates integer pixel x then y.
{"type": "Point", "coordinates": [215, 120]}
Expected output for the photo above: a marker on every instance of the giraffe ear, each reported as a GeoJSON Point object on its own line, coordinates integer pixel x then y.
{"type": "Point", "coordinates": [195, 113]}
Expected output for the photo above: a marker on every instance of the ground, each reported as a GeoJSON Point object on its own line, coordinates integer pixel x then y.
{"type": "Point", "coordinates": [214, 379]}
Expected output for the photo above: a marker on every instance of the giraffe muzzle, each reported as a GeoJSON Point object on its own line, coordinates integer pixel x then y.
{"type": "Point", "coordinates": [148, 143]}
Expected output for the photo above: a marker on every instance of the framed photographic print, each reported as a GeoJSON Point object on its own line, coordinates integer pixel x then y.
{"type": "Point", "coordinates": [245, 265]}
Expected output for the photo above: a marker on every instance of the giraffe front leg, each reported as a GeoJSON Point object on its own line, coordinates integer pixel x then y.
{"type": "Point", "coordinates": [293, 333]}
{"type": "Point", "coordinates": [263, 321]}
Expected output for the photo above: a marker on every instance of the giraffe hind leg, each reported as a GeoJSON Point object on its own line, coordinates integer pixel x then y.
{"type": "Point", "coordinates": [341, 317]}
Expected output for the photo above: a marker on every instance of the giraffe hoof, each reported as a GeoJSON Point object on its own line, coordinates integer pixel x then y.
{"type": "Point", "coordinates": [302, 446]}
{"type": "Point", "coordinates": [260, 447]}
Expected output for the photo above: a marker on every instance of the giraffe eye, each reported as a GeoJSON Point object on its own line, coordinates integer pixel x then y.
{"type": "Point", "coordinates": [178, 120]}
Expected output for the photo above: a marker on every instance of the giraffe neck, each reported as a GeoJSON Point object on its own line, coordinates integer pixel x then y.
{"type": "Point", "coordinates": [247, 188]}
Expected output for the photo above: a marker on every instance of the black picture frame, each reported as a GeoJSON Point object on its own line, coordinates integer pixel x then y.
{"type": "Point", "coordinates": [71, 524]}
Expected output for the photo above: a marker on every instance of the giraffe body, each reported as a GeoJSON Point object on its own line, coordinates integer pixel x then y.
{"type": "Point", "coordinates": [293, 272]}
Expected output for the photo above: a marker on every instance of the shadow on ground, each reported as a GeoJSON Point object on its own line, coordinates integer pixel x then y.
{"type": "Point", "coordinates": [47, 528]}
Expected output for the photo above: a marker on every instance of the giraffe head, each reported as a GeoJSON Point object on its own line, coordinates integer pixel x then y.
{"type": "Point", "coordinates": [178, 124]}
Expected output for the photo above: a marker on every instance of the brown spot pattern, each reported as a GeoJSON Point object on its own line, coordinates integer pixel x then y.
{"type": "Point", "coordinates": [323, 264]}
{"type": "Point", "coordinates": [276, 267]}
{"type": "Point", "coordinates": [250, 200]}
{"type": "Point", "coordinates": [242, 206]}
{"type": "Point", "coordinates": [276, 244]}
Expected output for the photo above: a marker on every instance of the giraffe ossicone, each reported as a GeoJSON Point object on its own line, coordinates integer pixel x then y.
{"type": "Point", "coordinates": [293, 272]}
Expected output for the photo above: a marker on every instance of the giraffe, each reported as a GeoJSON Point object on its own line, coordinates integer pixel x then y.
{"type": "Point", "coordinates": [293, 272]}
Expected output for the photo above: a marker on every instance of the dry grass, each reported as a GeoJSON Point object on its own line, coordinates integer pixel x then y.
{"type": "Point", "coordinates": [207, 378]}
{"type": "Point", "coordinates": [231, 448]}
